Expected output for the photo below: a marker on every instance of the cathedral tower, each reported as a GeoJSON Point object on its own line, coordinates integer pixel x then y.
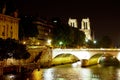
{"type": "Point", "coordinates": [85, 27]}
{"type": "Point", "coordinates": [73, 23]}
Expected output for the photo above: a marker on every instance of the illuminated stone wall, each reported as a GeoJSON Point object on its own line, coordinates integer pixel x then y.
{"type": "Point", "coordinates": [9, 27]}
{"type": "Point", "coordinates": [45, 58]}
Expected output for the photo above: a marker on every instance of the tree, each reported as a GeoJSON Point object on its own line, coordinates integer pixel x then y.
{"type": "Point", "coordinates": [11, 48]}
{"type": "Point", "coordinates": [90, 44]}
{"type": "Point", "coordinates": [61, 33]}
{"type": "Point", "coordinates": [69, 36]}
{"type": "Point", "coordinates": [79, 37]}
{"type": "Point", "coordinates": [106, 42]}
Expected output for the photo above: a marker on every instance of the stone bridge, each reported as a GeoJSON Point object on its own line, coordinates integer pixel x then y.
{"type": "Point", "coordinates": [89, 54]}
{"type": "Point", "coordinates": [92, 55]}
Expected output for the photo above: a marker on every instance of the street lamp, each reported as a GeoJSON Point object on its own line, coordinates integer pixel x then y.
{"type": "Point", "coordinates": [55, 21]}
{"type": "Point", "coordinates": [49, 41]}
{"type": "Point", "coordinates": [94, 41]}
{"type": "Point", "coordinates": [24, 42]}
{"type": "Point", "coordinates": [60, 43]}
{"type": "Point", "coordinates": [86, 40]}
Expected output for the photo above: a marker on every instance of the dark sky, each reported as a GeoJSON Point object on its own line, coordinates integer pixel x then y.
{"type": "Point", "coordinates": [104, 14]}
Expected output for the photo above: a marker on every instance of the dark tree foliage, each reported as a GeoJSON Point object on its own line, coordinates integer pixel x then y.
{"type": "Point", "coordinates": [106, 42]}
{"type": "Point", "coordinates": [78, 37]}
{"type": "Point", "coordinates": [26, 27]}
{"type": "Point", "coordinates": [90, 44]}
{"type": "Point", "coordinates": [11, 48]}
{"type": "Point", "coordinates": [71, 37]}
{"type": "Point", "coordinates": [61, 33]}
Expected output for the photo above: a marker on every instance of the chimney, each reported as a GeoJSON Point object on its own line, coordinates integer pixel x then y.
{"type": "Point", "coordinates": [15, 13]}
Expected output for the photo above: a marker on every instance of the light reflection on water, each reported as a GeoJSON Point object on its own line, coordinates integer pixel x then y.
{"type": "Point", "coordinates": [72, 72]}
{"type": "Point", "coordinates": [48, 74]}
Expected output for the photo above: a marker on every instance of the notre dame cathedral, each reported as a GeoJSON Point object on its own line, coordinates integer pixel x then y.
{"type": "Point", "coordinates": [85, 27]}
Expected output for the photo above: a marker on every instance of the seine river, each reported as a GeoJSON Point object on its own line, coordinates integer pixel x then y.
{"type": "Point", "coordinates": [69, 72]}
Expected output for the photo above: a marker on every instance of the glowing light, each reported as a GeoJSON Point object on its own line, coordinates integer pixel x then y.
{"type": "Point", "coordinates": [49, 41]}
{"type": "Point", "coordinates": [24, 42]}
{"type": "Point", "coordinates": [48, 74]}
{"type": "Point", "coordinates": [84, 73]}
{"type": "Point", "coordinates": [10, 77]}
{"type": "Point", "coordinates": [55, 21]}
{"type": "Point", "coordinates": [60, 42]}
{"type": "Point", "coordinates": [118, 56]}
{"type": "Point", "coordinates": [86, 40]}
{"type": "Point", "coordinates": [77, 64]}
{"type": "Point", "coordinates": [38, 43]}
{"type": "Point", "coordinates": [95, 42]}
{"type": "Point", "coordinates": [118, 74]}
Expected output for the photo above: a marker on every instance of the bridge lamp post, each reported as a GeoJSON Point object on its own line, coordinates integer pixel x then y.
{"type": "Point", "coordinates": [49, 42]}
{"type": "Point", "coordinates": [24, 42]}
{"type": "Point", "coordinates": [86, 40]}
{"type": "Point", "coordinates": [86, 43]}
{"type": "Point", "coordinates": [60, 43]}
{"type": "Point", "coordinates": [94, 41]}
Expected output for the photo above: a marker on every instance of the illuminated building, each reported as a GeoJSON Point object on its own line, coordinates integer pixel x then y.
{"type": "Point", "coordinates": [9, 26]}
{"type": "Point", "coordinates": [85, 26]}
{"type": "Point", "coordinates": [73, 23]}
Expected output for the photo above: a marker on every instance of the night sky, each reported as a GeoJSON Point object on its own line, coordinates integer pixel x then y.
{"type": "Point", "coordinates": [104, 14]}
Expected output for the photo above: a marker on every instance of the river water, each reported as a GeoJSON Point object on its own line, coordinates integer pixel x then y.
{"type": "Point", "coordinates": [69, 72]}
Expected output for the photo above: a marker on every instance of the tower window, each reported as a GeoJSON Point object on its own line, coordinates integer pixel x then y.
{"type": "Point", "coordinates": [11, 27]}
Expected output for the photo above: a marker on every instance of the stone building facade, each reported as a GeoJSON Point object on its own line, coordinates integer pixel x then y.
{"type": "Point", "coordinates": [9, 27]}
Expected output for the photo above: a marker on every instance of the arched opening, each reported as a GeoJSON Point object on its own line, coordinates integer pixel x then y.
{"type": "Point", "coordinates": [64, 58]}
{"type": "Point", "coordinates": [108, 60]}
{"type": "Point", "coordinates": [104, 59]}
{"type": "Point", "coordinates": [95, 59]}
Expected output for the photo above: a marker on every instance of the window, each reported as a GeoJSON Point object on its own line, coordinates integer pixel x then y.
{"type": "Point", "coordinates": [3, 33]}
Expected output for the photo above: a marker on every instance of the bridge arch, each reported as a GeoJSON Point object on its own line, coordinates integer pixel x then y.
{"type": "Point", "coordinates": [95, 59]}
{"type": "Point", "coordinates": [89, 54]}
{"type": "Point", "coordinates": [68, 56]}
{"type": "Point", "coordinates": [105, 59]}
{"type": "Point", "coordinates": [65, 55]}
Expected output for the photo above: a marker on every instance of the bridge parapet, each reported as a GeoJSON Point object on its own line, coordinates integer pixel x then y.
{"type": "Point", "coordinates": [86, 53]}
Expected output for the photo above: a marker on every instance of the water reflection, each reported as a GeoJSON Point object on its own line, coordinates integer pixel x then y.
{"type": "Point", "coordinates": [70, 72]}
{"type": "Point", "coordinates": [48, 74]}
{"type": "Point", "coordinates": [10, 77]}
